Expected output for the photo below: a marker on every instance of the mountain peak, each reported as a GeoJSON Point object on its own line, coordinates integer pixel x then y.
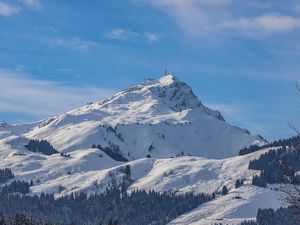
{"type": "Point", "coordinates": [175, 93]}
{"type": "Point", "coordinates": [167, 91]}
{"type": "Point", "coordinates": [161, 117]}
{"type": "Point", "coordinates": [178, 95]}
{"type": "Point", "coordinates": [168, 79]}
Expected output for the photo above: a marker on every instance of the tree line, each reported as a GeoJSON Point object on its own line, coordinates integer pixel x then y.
{"type": "Point", "coordinates": [114, 206]}
{"type": "Point", "coordinates": [277, 166]}
{"type": "Point", "coordinates": [292, 142]}
{"type": "Point", "coordinates": [41, 146]}
{"type": "Point", "coordinates": [281, 216]}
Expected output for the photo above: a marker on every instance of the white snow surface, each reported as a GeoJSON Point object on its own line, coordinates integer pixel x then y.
{"type": "Point", "coordinates": [161, 118]}
{"type": "Point", "coordinates": [239, 205]}
{"type": "Point", "coordinates": [91, 170]}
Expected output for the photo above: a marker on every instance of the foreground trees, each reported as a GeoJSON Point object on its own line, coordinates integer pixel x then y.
{"type": "Point", "coordinates": [113, 206]}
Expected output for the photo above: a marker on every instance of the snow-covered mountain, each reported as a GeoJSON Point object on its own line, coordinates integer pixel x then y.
{"type": "Point", "coordinates": [159, 118]}
{"type": "Point", "coordinates": [91, 170]}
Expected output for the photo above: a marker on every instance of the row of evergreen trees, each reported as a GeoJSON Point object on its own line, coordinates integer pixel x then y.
{"type": "Point", "coordinates": [16, 186]}
{"type": "Point", "coordinates": [153, 208]}
{"type": "Point", "coordinates": [281, 216]}
{"type": "Point", "coordinates": [41, 146]}
{"type": "Point", "coordinates": [21, 219]}
{"type": "Point", "coordinates": [112, 151]}
{"type": "Point", "coordinates": [5, 175]}
{"type": "Point", "coordinates": [276, 166]}
{"type": "Point", "coordinates": [292, 142]}
{"type": "Point", "coordinates": [136, 208]}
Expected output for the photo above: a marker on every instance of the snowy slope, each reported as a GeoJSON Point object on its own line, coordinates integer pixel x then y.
{"type": "Point", "coordinates": [161, 118]}
{"type": "Point", "coordinates": [43, 169]}
{"type": "Point", "coordinates": [239, 205]}
{"type": "Point", "coordinates": [91, 170]}
{"type": "Point", "coordinates": [7, 130]}
{"type": "Point", "coordinates": [84, 167]}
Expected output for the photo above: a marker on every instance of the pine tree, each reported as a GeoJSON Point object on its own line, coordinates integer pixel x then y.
{"type": "Point", "coordinates": [2, 219]}
{"type": "Point", "coordinates": [224, 190]}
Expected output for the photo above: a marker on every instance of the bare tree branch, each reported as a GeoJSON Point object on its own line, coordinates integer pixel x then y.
{"type": "Point", "coordinates": [293, 191]}
{"type": "Point", "coordinates": [291, 125]}
{"type": "Point", "coordinates": [294, 128]}
{"type": "Point", "coordinates": [291, 176]}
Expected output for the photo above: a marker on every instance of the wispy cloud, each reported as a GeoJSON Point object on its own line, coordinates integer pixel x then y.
{"type": "Point", "coordinates": [33, 3]}
{"type": "Point", "coordinates": [121, 34]}
{"type": "Point", "coordinates": [204, 17]}
{"type": "Point", "coordinates": [127, 35]}
{"type": "Point", "coordinates": [152, 37]}
{"type": "Point", "coordinates": [8, 10]}
{"type": "Point", "coordinates": [21, 93]}
{"type": "Point", "coordinates": [196, 17]}
{"type": "Point", "coordinates": [74, 43]}
{"type": "Point", "coordinates": [265, 24]}
{"type": "Point", "coordinates": [188, 14]}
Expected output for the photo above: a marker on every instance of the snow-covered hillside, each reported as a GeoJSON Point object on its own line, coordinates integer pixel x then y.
{"type": "Point", "coordinates": [86, 167]}
{"type": "Point", "coordinates": [239, 205]}
{"type": "Point", "coordinates": [91, 170]}
{"type": "Point", "coordinates": [159, 118]}
{"type": "Point", "coordinates": [190, 148]}
{"type": "Point", "coordinates": [7, 130]}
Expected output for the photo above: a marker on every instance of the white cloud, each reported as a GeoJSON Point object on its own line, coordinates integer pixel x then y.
{"type": "Point", "coordinates": [33, 3]}
{"type": "Point", "coordinates": [74, 43]}
{"type": "Point", "coordinates": [21, 93]}
{"type": "Point", "coordinates": [205, 17]}
{"type": "Point", "coordinates": [265, 24]}
{"type": "Point", "coordinates": [185, 2]}
{"type": "Point", "coordinates": [214, 2]}
{"type": "Point", "coordinates": [151, 37]}
{"type": "Point", "coordinates": [127, 35]}
{"type": "Point", "coordinates": [186, 13]}
{"type": "Point", "coordinates": [8, 10]}
{"type": "Point", "coordinates": [197, 17]}
{"type": "Point", "coordinates": [121, 34]}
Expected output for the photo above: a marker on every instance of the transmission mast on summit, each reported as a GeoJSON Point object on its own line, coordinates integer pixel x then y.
{"type": "Point", "coordinates": [166, 70]}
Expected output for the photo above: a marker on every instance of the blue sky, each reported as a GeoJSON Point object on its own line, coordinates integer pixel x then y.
{"type": "Point", "coordinates": [240, 57]}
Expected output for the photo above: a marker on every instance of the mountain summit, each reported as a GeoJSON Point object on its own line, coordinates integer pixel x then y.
{"type": "Point", "coordinates": [168, 91]}
{"type": "Point", "coordinates": [158, 118]}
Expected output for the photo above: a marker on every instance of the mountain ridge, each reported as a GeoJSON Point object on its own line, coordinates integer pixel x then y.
{"type": "Point", "coordinates": [158, 118]}
{"type": "Point", "coordinates": [169, 89]}
{"type": "Point", "coordinates": [171, 140]}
